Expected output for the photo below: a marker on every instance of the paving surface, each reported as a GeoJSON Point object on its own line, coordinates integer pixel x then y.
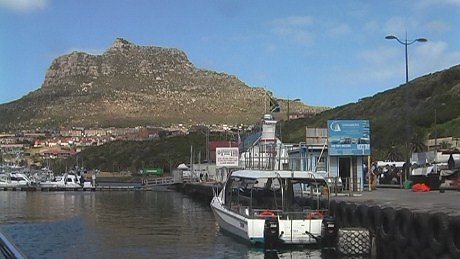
{"type": "Point", "coordinates": [434, 201]}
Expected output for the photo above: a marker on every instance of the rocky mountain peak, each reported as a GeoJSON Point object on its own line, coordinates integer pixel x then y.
{"type": "Point", "coordinates": [121, 43]}
{"type": "Point", "coordinates": [135, 85]}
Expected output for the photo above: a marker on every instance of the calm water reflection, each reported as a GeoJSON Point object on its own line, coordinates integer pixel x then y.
{"type": "Point", "coordinates": [158, 224]}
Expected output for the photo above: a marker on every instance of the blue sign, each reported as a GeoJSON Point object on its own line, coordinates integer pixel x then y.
{"type": "Point", "coordinates": [348, 137]}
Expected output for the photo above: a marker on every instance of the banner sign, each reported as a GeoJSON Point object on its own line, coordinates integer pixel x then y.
{"type": "Point", "coordinates": [349, 137]}
{"type": "Point", "coordinates": [227, 156]}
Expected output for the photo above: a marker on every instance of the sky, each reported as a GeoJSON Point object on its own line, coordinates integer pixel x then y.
{"type": "Point", "coordinates": [325, 53]}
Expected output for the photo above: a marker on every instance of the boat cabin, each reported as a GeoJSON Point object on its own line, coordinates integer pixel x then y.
{"type": "Point", "coordinates": [284, 193]}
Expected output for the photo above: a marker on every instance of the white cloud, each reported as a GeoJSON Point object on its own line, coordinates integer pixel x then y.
{"type": "Point", "coordinates": [434, 56]}
{"type": "Point", "coordinates": [293, 21]}
{"type": "Point", "coordinates": [437, 26]}
{"type": "Point", "coordinates": [339, 30]}
{"type": "Point", "coordinates": [399, 25]}
{"type": "Point", "coordinates": [23, 5]}
{"type": "Point", "coordinates": [379, 56]}
{"type": "Point", "coordinates": [428, 3]}
{"type": "Point", "coordinates": [295, 28]}
{"type": "Point", "coordinates": [384, 65]}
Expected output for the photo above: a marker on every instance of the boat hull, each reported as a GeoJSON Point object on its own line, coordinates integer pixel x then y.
{"type": "Point", "coordinates": [292, 232]}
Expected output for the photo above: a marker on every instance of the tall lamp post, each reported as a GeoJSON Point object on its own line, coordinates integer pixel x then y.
{"type": "Point", "coordinates": [436, 133]}
{"type": "Point", "coordinates": [406, 43]}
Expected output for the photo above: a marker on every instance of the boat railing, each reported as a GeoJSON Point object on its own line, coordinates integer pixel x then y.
{"type": "Point", "coordinates": [293, 215]}
{"type": "Point", "coordinates": [8, 249]}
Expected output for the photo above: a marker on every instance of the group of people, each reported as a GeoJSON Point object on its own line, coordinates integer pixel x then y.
{"type": "Point", "coordinates": [388, 174]}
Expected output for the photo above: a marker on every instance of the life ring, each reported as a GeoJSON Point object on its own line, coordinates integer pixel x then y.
{"type": "Point", "coordinates": [267, 214]}
{"type": "Point", "coordinates": [315, 215]}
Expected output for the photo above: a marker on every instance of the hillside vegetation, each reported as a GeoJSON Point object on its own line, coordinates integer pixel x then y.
{"type": "Point", "coordinates": [394, 114]}
{"type": "Point", "coordinates": [403, 118]}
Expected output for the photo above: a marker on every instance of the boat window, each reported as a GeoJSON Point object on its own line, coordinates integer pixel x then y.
{"type": "Point", "coordinates": [69, 179]}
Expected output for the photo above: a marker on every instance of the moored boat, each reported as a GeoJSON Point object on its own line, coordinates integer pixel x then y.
{"type": "Point", "coordinates": [14, 179]}
{"type": "Point", "coordinates": [282, 207]}
{"type": "Point", "coordinates": [68, 180]}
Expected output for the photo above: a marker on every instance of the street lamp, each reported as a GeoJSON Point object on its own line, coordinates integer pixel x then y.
{"type": "Point", "coordinates": [406, 43]}
{"type": "Point", "coordinates": [288, 114]}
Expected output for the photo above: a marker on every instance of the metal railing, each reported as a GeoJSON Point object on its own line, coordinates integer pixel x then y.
{"type": "Point", "coordinates": [158, 181]}
{"type": "Point", "coordinates": [8, 249]}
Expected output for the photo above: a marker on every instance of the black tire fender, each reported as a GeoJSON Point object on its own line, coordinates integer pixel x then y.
{"type": "Point", "coordinates": [352, 216]}
{"type": "Point", "coordinates": [438, 224]}
{"type": "Point", "coordinates": [394, 251]}
{"type": "Point", "coordinates": [361, 215]}
{"type": "Point", "coordinates": [411, 253]}
{"type": "Point", "coordinates": [428, 254]}
{"type": "Point", "coordinates": [342, 214]}
{"type": "Point", "coordinates": [388, 225]}
{"type": "Point", "coordinates": [403, 221]}
{"type": "Point", "coordinates": [419, 237]}
{"type": "Point", "coordinates": [453, 237]}
{"type": "Point", "coordinates": [333, 208]}
{"type": "Point", "coordinates": [373, 220]}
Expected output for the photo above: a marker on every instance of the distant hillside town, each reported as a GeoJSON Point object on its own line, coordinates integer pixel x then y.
{"type": "Point", "coordinates": [26, 147]}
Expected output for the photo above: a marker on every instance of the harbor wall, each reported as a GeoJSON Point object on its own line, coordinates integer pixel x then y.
{"type": "Point", "coordinates": [401, 232]}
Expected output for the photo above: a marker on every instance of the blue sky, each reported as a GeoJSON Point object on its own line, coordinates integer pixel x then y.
{"type": "Point", "coordinates": [326, 53]}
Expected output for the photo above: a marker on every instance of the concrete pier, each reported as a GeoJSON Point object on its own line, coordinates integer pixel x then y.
{"type": "Point", "coordinates": [405, 224]}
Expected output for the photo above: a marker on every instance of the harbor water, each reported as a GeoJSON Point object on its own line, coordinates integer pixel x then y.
{"type": "Point", "coordinates": [131, 224]}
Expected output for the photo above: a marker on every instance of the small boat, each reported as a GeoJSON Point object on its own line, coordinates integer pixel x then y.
{"type": "Point", "coordinates": [68, 180]}
{"type": "Point", "coordinates": [14, 179]}
{"type": "Point", "coordinates": [280, 207]}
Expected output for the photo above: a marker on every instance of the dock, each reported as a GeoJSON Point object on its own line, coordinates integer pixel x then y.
{"type": "Point", "coordinates": [145, 185]}
{"type": "Point", "coordinates": [404, 224]}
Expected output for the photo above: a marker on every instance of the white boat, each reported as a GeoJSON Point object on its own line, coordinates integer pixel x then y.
{"type": "Point", "coordinates": [14, 179]}
{"type": "Point", "coordinates": [68, 180]}
{"type": "Point", "coordinates": [259, 206]}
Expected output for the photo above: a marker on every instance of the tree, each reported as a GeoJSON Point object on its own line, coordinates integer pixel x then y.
{"type": "Point", "coordinates": [393, 154]}
{"type": "Point", "coordinates": [417, 143]}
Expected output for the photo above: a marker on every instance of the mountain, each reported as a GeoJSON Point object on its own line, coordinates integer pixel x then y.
{"type": "Point", "coordinates": [130, 85]}
{"type": "Point", "coordinates": [405, 114]}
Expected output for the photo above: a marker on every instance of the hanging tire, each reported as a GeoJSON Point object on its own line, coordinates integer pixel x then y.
{"type": "Point", "coordinates": [373, 220]}
{"type": "Point", "coordinates": [393, 250]}
{"type": "Point", "coordinates": [438, 224]}
{"type": "Point", "coordinates": [445, 256]}
{"type": "Point", "coordinates": [453, 237]}
{"type": "Point", "coordinates": [362, 215]}
{"type": "Point", "coordinates": [351, 215]}
{"type": "Point", "coordinates": [324, 204]}
{"type": "Point", "coordinates": [333, 209]}
{"type": "Point", "coordinates": [387, 228]}
{"type": "Point", "coordinates": [380, 248]}
{"type": "Point", "coordinates": [342, 213]}
{"type": "Point", "coordinates": [428, 254]}
{"type": "Point", "coordinates": [411, 253]}
{"type": "Point", "coordinates": [419, 236]}
{"type": "Point", "coordinates": [403, 221]}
